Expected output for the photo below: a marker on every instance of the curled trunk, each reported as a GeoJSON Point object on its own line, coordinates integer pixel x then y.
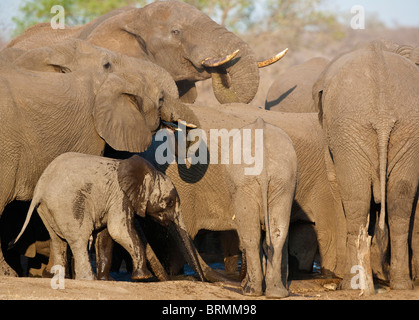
{"type": "Point", "coordinates": [238, 79]}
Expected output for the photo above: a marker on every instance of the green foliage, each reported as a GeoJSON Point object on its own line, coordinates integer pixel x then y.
{"type": "Point", "coordinates": [294, 17]}
{"type": "Point", "coordinates": [77, 12]}
{"type": "Point", "coordinates": [235, 14]}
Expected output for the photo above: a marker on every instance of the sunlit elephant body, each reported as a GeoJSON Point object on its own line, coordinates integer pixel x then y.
{"type": "Point", "coordinates": [45, 114]}
{"type": "Point", "coordinates": [291, 91]}
{"type": "Point", "coordinates": [206, 194]}
{"type": "Point", "coordinates": [171, 34]}
{"type": "Point", "coordinates": [368, 102]}
{"type": "Point", "coordinates": [78, 193]}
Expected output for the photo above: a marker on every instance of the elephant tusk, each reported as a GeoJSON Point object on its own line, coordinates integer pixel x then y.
{"type": "Point", "coordinates": [176, 126]}
{"type": "Point", "coordinates": [171, 126]}
{"type": "Point", "coordinates": [216, 62]}
{"type": "Point", "coordinates": [272, 60]}
{"type": "Point", "coordinates": [187, 125]}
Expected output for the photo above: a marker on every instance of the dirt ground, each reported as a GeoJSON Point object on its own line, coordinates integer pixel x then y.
{"type": "Point", "coordinates": [40, 289]}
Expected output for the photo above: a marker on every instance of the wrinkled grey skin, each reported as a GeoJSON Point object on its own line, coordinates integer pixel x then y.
{"type": "Point", "coordinates": [221, 197]}
{"type": "Point", "coordinates": [78, 193]}
{"type": "Point", "coordinates": [45, 114]}
{"type": "Point", "coordinates": [264, 202]}
{"type": "Point", "coordinates": [171, 34]}
{"type": "Point", "coordinates": [373, 140]}
{"type": "Point", "coordinates": [75, 55]}
{"type": "Point", "coordinates": [292, 91]}
{"type": "Point", "coordinates": [205, 193]}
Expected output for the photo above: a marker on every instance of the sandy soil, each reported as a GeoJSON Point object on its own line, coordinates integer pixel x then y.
{"type": "Point", "coordinates": [37, 288]}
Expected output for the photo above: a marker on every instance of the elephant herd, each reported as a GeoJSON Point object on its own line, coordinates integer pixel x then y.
{"type": "Point", "coordinates": [82, 110]}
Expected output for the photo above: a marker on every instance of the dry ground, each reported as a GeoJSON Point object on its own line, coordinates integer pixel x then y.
{"type": "Point", "coordinates": [40, 289]}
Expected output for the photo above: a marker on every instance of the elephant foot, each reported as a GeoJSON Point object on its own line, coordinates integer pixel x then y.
{"type": "Point", "coordinates": [347, 283]}
{"type": "Point", "coordinates": [6, 270]}
{"type": "Point", "coordinates": [47, 273]}
{"type": "Point", "coordinates": [274, 292]}
{"type": "Point", "coordinates": [105, 277]}
{"type": "Point", "coordinates": [250, 289]}
{"type": "Point", "coordinates": [139, 275]}
{"type": "Point", "coordinates": [401, 284]}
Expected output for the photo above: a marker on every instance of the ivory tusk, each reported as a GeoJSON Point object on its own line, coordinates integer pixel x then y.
{"type": "Point", "coordinates": [175, 126]}
{"type": "Point", "coordinates": [187, 125]}
{"type": "Point", "coordinates": [216, 62]}
{"type": "Point", "coordinates": [272, 60]}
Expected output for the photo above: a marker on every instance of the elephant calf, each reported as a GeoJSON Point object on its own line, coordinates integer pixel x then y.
{"type": "Point", "coordinates": [78, 193]}
{"type": "Point", "coordinates": [264, 201]}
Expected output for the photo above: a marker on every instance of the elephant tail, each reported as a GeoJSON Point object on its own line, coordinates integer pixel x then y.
{"type": "Point", "coordinates": [32, 207]}
{"type": "Point", "coordinates": [383, 133]}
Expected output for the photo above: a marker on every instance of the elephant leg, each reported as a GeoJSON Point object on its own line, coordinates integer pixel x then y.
{"type": "Point", "coordinates": [122, 230]}
{"type": "Point", "coordinates": [355, 187]}
{"type": "Point", "coordinates": [249, 231]}
{"type": "Point", "coordinates": [401, 194]}
{"type": "Point", "coordinates": [58, 246]}
{"type": "Point", "coordinates": [277, 258]}
{"type": "Point", "coordinates": [104, 248]}
{"type": "Point", "coordinates": [82, 266]}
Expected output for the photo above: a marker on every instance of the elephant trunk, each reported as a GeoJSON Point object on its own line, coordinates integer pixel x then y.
{"type": "Point", "coordinates": [174, 110]}
{"type": "Point", "coordinates": [238, 79]}
{"type": "Point", "coordinates": [188, 247]}
{"type": "Point", "coordinates": [229, 61]}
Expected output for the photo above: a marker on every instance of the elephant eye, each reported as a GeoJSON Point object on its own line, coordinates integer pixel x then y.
{"type": "Point", "coordinates": [175, 32]}
{"type": "Point", "coordinates": [60, 69]}
{"type": "Point", "coordinates": [170, 203]}
{"type": "Point", "coordinates": [107, 65]}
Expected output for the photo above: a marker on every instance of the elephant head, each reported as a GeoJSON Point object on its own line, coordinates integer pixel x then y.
{"type": "Point", "coordinates": [185, 42]}
{"type": "Point", "coordinates": [156, 97]}
{"type": "Point", "coordinates": [159, 199]}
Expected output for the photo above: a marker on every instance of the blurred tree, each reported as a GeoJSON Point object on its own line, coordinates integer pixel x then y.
{"type": "Point", "coordinates": [293, 17]}
{"type": "Point", "coordinates": [234, 14]}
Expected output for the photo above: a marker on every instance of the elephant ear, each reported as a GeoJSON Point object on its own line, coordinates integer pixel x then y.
{"type": "Point", "coordinates": [42, 59]}
{"type": "Point", "coordinates": [120, 119]}
{"type": "Point", "coordinates": [136, 179]}
{"type": "Point", "coordinates": [60, 57]}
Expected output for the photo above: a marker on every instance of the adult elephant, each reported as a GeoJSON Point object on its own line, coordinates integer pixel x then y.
{"type": "Point", "coordinates": [175, 36]}
{"type": "Point", "coordinates": [206, 194]}
{"type": "Point", "coordinates": [292, 90]}
{"type": "Point", "coordinates": [372, 136]}
{"type": "Point", "coordinates": [45, 114]}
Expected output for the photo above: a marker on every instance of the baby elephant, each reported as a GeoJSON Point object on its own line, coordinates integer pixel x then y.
{"type": "Point", "coordinates": [79, 193]}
